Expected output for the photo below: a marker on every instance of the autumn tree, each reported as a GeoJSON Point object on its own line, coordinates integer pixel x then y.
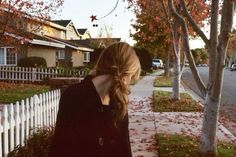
{"type": "Point", "coordinates": [200, 55]}
{"type": "Point", "coordinates": [150, 33]}
{"type": "Point", "coordinates": [19, 18]}
{"type": "Point", "coordinates": [231, 50]}
{"type": "Point", "coordinates": [216, 45]}
{"type": "Point", "coordinates": [181, 15]}
{"type": "Point", "coordinates": [156, 27]}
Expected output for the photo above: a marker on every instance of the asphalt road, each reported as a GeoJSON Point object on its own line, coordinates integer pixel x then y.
{"type": "Point", "coordinates": [228, 99]}
{"type": "Point", "coordinates": [229, 83]}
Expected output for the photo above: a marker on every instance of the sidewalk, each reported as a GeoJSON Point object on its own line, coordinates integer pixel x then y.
{"type": "Point", "coordinates": [144, 123]}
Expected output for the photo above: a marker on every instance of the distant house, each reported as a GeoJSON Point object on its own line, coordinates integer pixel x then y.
{"type": "Point", "coordinates": [84, 33]}
{"type": "Point", "coordinates": [50, 41]}
{"type": "Point", "coordinates": [103, 42]}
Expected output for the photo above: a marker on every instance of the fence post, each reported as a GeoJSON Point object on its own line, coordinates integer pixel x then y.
{"type": "Point", "coordinates": [40, 110]}
{"type": "Point", "coordinates": [33, 74]}
{"type": "Point", "coordinates": [5, 131]}
{"type": "Point", "coordinates": [47, 108]}
{"type": "Point", "coordinates": [27, 118]}
{"type": "Point", "coordinates": [31, 114]}
{"type": "Point", "coordinates": [36, 111]}
{"type": "Point", "coordinates": [17, 118]}
{"type": "Point", "coordinates": [12, 130]}
{"type": "Point", "coordinates": [1, 131]}
{"type": "Point", "coordinates": [22, 116]}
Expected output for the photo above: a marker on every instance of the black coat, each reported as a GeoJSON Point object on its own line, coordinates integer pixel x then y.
{"type": "Point", "coordinates": [84, 126]}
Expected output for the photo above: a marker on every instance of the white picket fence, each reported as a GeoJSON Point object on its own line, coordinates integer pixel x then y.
{"type": "Point", "coordinates": [21, 119]}
{"type": "Point", "coordinates": [23, 74]}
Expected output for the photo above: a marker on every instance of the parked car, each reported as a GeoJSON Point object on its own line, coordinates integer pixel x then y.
{"type": "Point", "coordinates": [157, 63]}
{"type": "Point", "coordinates": [233, 67]}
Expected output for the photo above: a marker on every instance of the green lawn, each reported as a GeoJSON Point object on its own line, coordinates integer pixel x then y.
{"type": "Point", "coordinates": [163, 81]}
{"type": "Point", "coordinates": [185, 146]}
{"type": "Point", "coordinates": [163, 102]}
{"type": "Point", "coordinates": [12, 92]}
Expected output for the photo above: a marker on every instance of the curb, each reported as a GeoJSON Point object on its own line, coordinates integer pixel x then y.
{"type": "Point", "coordinates": [196, 97]}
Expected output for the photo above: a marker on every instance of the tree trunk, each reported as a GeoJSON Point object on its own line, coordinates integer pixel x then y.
{"type": "Point", "coordinates": [176, 78]}
{"type": "Point", "coordinates": [209, 127]}
{"type": "Point", "coordinates": [211, 113]}
{"type": "Point", "coordinates": [167, 63]}
{"type": "Point", "coordinates": [176, 66]}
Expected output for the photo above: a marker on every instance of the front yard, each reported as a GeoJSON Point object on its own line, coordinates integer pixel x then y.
{"type": "Point", "coordinates": [12, 92]}
{"type": "Point", "coordinates": [181, 144]}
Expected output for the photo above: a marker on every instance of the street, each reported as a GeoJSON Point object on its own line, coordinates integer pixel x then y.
{"type": "Point", "coordinates": [229, 84]}
{"type": "Point", "coordinates": [228, 99]}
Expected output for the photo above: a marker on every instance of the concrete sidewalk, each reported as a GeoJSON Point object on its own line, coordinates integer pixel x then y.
{"type": "Point", "coordinates": [144, 123]}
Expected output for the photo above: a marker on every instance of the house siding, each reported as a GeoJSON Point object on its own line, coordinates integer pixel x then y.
{"type": "Point", "coordinates": [53, 32]}
{"type": "Point", "coordinates": [86, 36]}
{"type": "Point", "coordinates": [48, 53]}
{"type": "Point", "coordinates": [71, 33]}
{"type": "Point", "coordinates": [77, 58]}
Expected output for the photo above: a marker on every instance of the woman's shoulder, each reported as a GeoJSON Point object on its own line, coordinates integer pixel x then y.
{"type": "Point", "coordinates": [82, 88]}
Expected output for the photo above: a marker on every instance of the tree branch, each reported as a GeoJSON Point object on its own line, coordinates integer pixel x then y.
{"type": "Point", "coordinates": [226, 27]}
{"type": "Point", "coordinates": [194, 24]}
{"type": "Point", "coordinates": [192, 65]}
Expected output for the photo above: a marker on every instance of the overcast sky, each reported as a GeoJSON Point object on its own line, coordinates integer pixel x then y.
{"type": "Point", "coordinates": [79, 11]}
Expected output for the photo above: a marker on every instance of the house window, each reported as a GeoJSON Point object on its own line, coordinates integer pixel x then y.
{"type": "Point", "coordinates": [7, 57]}
{"type": "Point", "coordinates": [86, 56]}
{"type": "Point", "coordinates": [60, 54]}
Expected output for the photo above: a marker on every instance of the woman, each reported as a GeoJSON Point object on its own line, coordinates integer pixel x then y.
{"type": "Point", "coordinates": [93, 117]}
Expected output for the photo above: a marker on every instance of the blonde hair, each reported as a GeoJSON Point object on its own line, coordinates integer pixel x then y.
{"type": "Point", "coordinates": [118, 60]}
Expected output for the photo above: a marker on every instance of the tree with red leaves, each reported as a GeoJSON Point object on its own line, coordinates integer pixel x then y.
{"type": "Point", "coordinates": [181, 17]}
{"type": "Point", "coordinates": [157, 29]}
{"type": "Point", "coordinates": [18, 18]}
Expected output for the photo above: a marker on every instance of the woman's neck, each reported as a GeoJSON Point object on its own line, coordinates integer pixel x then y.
{"type": "Point", "coordinates": [103, 84]}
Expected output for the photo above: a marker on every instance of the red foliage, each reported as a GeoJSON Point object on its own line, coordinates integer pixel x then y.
{"type": "Point", "coordinates": [16, 17]}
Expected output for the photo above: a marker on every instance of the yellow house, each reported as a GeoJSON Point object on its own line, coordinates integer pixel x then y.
{"type": "Point", "coordinates": [49, 40]}
{"type": "Point", "coordinates": [53, 42]}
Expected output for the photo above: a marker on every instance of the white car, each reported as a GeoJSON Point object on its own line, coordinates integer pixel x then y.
{"type": "Point", "coordinates": [157, 63]}
{"type": "Point", "coordinates": [233, 67]}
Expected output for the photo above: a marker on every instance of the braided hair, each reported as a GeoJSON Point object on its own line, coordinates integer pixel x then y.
{"type": "Point", "coordinates": [119, 60]}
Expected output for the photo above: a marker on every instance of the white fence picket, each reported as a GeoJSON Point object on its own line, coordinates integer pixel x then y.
{"type": "Point", "coordinates": [1, 131]}
{"type": "Point", "coordinates": [25, 74]}
{"type": "Point", "coordinates": [5, 131]}
{"type": "Point", "coordinates": [12, 126]}
{"type": "Point", "coordinates": [18, 121]}
{"type": "Point", "coordinates": [22, 121]}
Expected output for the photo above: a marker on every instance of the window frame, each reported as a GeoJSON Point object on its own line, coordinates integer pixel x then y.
{"type": "Point", "coordinates": [58, 54]}
{"type": "Point", "coordinates": [5, 57]}
{"type": "Point", "coordinates": [86, 57]}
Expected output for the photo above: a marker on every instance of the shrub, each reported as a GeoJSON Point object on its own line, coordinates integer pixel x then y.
{"type": "Point", "coordinates": [32, 62]}
{"type": "Point", "coordinates": [37, 144]}
{"type": "Point", "coordinates": [86, 70]}
{"type": "Point", "coordinates": [145, 58]}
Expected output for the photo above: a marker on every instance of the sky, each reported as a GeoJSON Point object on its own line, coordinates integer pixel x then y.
{"type": "Point", "coordinates": [79, 11]}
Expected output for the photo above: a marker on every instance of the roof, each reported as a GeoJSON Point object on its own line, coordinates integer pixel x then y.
{"type": "Point", "coordinates": [63, 23]}
{"type": "Point", "coordinates": [71, 44]}
{"type": "Point", "coordinates": [85, 43]}
{"type": "Point", "coordinates": [35, 39]}
{"type": "Point", "coordinates": [82, 30]}
{"type": "Point", "coordinates": [113, 39]}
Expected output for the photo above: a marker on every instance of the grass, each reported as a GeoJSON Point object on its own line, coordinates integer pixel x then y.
{"type": "Point", "coordinates": [163, 102]}
{"type": "Point", "coordinates": [12, 92]}
{"type": "Point", "coordinates": [163, 81]}
{"type": "Point", "coordinates": [186, 146]}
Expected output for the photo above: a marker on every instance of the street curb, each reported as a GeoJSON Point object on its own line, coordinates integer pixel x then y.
{"type": "Point", "coordinates": [196, 97]}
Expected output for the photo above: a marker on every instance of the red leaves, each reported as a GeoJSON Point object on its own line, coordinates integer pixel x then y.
{"type": "Point", "coordinates": [93, 18]}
